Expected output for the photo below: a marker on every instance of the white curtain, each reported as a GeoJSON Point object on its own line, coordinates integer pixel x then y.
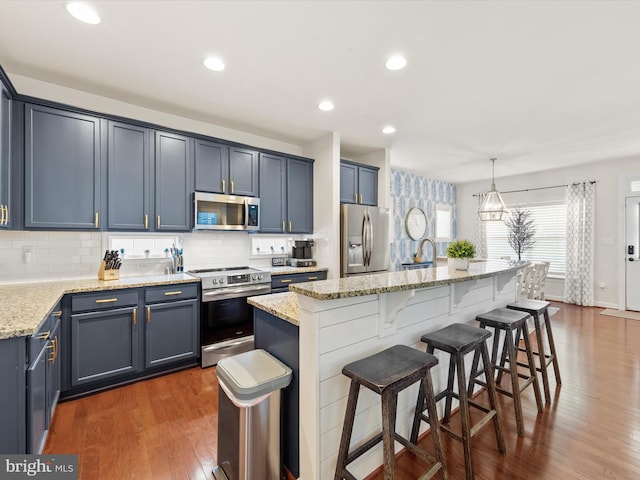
{"type": "Point", "coordinates": [578, 283]}
{"type": "Point", "coordinates": [481, 231]}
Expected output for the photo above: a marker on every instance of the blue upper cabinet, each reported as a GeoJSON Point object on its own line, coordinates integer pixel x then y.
{"type": "Point", "coordinates": [286, 194]}
{"type": "Point", "coordinates": [243, 172]}
{"type": "Point", "coordinates": [129, 177]}
{"type": "Point", "coordinates": [5, 157]}
{"type": "Point", "coordinates": [224, 169]}
{"type": "Point", "coordinates": [299, 195]}
{"type": "Point", "coordinates": [273, 193]}
{"type": "Point", "coordinates": [358, 183]}
{"type": "Point", "coordinates": [173, 182]}
{"type": "Point", "coordinates": [62, 169]}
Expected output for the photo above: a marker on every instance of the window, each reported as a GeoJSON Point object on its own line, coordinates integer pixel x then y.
{"type": "Point", "coordinates": [443, 223]}
{"type": "Point", "coordinates": [551, 227]}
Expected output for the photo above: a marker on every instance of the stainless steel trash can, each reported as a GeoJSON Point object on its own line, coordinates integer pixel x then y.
{"type": "Point", "coordinates": [249, 446]}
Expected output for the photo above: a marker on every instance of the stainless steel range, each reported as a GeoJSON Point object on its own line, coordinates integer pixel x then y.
{"type": "Point", "coordinates": [226, 319]}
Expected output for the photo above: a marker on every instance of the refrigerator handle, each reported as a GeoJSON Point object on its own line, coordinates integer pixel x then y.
{"type": "Point", "coordinates": [371, 237]}
{"type": "Point", "coordinates": [365, 240]}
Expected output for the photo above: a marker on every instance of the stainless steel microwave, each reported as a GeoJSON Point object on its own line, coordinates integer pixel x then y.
{"type": "Point", "coordinates": [214, 211]}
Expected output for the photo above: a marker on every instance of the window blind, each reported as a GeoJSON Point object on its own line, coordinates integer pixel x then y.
{"type": "Point", "coordinates": [551, 225]}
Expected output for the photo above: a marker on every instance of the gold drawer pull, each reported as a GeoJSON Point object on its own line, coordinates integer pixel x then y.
{"type": "Point", "coordinates": [232, 186]}
{"type": "Point", "coordinates": [148, 314]}
{"type": "Point", "coordinates": [97, 220]}
{"type": "Point", "coordinates": [312, 278]}
{"type": "Point", "coordinates": [43, 335]}
{"type": "Point", "coordinates": [107, 300]}
{"type": "Point", "coordinates": [288, 280]}
{"type": "Point", "coordinates": [135, 316]}
{"type": "Point", "coordinates": [177, 292]}
{"type": "Point", "coordinates": [57, 314]}
{"type": "Point", "coordinates": [146, 221]}
{"type": "Point", "coordinates": [224, 186]}
{"type": "Point", "coordinates": [158, 222]}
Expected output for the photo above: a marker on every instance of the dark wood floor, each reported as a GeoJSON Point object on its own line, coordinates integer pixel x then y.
{"type": "Point", "coordinates": [165, 428]}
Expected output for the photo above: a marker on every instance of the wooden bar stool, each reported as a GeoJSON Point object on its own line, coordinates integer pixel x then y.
{"type": "Point", "coordinates": [458, 340]}
{"type": "Point", "coordinates": [535, 308]}
{"type": "Point", "coordinates": [387, 373]}
{"type": "Point", "coordinates": [508, 321]}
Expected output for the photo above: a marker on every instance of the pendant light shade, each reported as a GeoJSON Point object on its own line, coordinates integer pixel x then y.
{"type": "Point", "coordinates": [492, 207]}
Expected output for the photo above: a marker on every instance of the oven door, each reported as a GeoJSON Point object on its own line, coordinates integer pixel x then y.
{"type": "Point", "coordinates": [226, 321]}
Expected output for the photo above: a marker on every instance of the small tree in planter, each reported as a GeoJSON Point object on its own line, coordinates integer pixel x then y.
{"type": "Point", "coordinates": [522, 231]}
{"type": "Point", "coordinates": [461, 251]}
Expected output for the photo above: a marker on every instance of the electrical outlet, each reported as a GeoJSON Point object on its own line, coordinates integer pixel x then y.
{"type": "Point", "coordinates": [603, 285]}
{"type": "Point", "coordinates": [27, 254]}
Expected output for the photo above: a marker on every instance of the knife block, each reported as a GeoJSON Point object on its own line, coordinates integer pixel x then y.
{"type": "Point", "coordinates": [104, 274]}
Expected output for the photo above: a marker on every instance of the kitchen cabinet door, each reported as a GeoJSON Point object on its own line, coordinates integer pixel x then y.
{"type": "Point", "coordinates": [171, 332]}
{"type": "Point", "coordinates": [62, 169]}
{"type": "Point", "coordinates": [173, 185]}
{"type": "Point", "coordinates": [299, 196]}
{"type": "Point", "coordinates": [5, 157]}
{"type": "Point", "coordinates": [243, 172]}
{"type": "Point", "coordinates": [212, 167]}
{"type": "Point", "coordinates": [273, 197]}
{"type": "Point", "coordinates": [348, 183]}
{"type": "Point", "coordinates": [368, 186]}
{"type": "Point", "coordinates": [103, 344]}
{"type": "Point", "coordinates": [129, 177]}
{"type": "Point", "coordinates": [37, 403]}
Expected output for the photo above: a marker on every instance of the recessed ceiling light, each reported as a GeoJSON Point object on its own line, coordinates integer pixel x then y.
{"type": "Point", "coordinates": [396, 62]}
{"type": "Point", "coordinates": [214, 63]}
{"type": "Point", "coordinates": [389, 129]}
{"type": "Point", "coordinates": [326, 105]}
{"type": "Point", "coordinates": [83, 12]}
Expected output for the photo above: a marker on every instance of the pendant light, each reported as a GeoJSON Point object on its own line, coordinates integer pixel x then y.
{"type": "Point", "coordinates": [493, 207]}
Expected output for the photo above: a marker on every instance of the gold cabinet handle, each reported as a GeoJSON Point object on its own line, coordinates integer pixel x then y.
{"type": "Point", "coordinates": [57, 313]}
{"type": "Point", "coordinates": [6, 214]}
{"type": "Point", "coordinates": [290, 226]}
{"type": "Point", "coordinates": [232, 186]}
{"type": "Point", "coordinates": [177, 292]}
{"type": "Point", "coordinates": [52, 346]}
{"type": "Point", "coordinates": [224, 186]}
{"type": "Point", "coordinates": [3, 215]}
{"type": "Point", "coordinates": [360, 198]}
{"type": "Point", "coordinates": [56, 350]}
{"type": "Point", "coordinates": [43, 335]}
{"type": "Point", "coordinates": [148, 314]}
{"type": "Point", "coordinates": [146, 221]}
{"type": "Point", "coordinates": [158, 222]}
{"type": "Point", "coordinates": [283, 229]}
{"type": "Point", "coordinates": [107, 300]}
{"type": "Point", "coordinates": [135, 316]}
{"type": "Point", "coordinates": [312, 278]}
{"type": "Point", "coordinates": [97, 220]}
{"type": "Point", "coordinates": [287, 280]}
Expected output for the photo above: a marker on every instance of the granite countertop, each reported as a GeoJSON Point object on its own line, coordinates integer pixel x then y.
{"type": "Point", "coordinates": [288, 270]}
{"type": "Point", "coordinates": [24, 306]}
{"type": "Point", "coordinates": [282, 305]}
{"type": "Point", "coordinates": [371, 284]}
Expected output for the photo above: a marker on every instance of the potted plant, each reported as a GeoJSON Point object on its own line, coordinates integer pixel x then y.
{"type": "Point", "coordinates": [460, 252]}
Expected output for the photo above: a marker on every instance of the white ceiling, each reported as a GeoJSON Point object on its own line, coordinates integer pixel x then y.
{"type": "Point", "coordinates": [538, 84]}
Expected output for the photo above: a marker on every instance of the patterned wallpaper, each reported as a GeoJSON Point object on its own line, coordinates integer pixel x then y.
{"type": "Point", "coordinates": [410, 190]}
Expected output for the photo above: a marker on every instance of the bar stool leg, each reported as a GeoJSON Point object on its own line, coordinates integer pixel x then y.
{"type": "Point", "coordinates": [531, 361]}
{"type": "Point", "coordinates": [542, 358]}
{"type": "Point", "coordinates": [552, 346]}
{"type": "Point", "coordinates": [347, 429]}
{"type": "Point", "coordinates": [447, 407]}
{"type": "Point", "coordinates": [389, 404]}
{"type": "Point", "coordinates": [434, 426]}
{"type": "Point", "coordinates": [464, 416]}
{"type": "Point", "coordinates": [512, 355]}
{"type": "Point", "coordinates": [493, 399]}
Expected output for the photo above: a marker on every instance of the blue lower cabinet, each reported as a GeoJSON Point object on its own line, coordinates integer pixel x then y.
{"type": "Point", "coordinates": [171, 332]}
{"type": "Point", "coordinates": [104, 344]}
{"type": "Point", "coordinates": [37, 403]}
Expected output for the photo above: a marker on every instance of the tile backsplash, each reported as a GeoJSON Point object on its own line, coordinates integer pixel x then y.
{"type": "Point", "coordinates": [71, 255]}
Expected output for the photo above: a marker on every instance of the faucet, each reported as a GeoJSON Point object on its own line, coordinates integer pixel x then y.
{"type": "Point", "coordinates": [417, 258]}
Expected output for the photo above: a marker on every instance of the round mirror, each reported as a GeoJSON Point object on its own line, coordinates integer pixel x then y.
{"type": "Point", "coordinates": [415, 223]}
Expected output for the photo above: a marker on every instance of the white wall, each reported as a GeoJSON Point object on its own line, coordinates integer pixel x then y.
{"type": "Point", "coordinates": [326, 201]}
{"type": "Point", "coordinates": [609, 251]}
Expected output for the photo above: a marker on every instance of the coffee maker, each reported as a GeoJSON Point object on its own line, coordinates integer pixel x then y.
{"type": "Point", "coordinates": [301, 255]}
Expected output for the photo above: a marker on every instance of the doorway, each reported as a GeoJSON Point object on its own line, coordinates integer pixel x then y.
{"type": "Point", "coordinates": [632, 250]}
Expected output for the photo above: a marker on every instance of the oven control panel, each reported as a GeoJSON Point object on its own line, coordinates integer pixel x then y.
{"type": "Point", "coordinates": [236, 279]}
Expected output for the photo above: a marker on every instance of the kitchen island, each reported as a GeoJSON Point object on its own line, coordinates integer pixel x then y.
{"type": "Point", "coordinates": [343, 320]}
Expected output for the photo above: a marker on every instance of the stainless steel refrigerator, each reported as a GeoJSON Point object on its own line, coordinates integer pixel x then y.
{"type": "Point", "coordinates": [364, 239]}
